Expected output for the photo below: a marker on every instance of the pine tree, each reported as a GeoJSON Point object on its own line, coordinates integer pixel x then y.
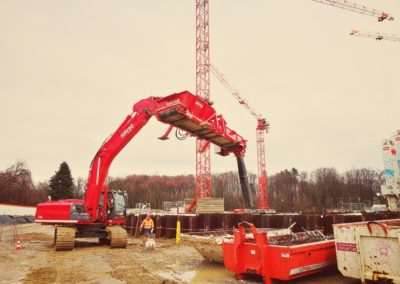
{"type": "Point", "coordinates": [61, 183]}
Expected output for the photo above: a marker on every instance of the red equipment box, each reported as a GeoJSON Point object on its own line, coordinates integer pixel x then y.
{"type": "Point", "coordinates": [282, 257]}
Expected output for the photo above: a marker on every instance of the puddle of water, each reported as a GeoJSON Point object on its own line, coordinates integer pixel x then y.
{"type": "Point", "coordinates": [185, 277]}
{"type": "Point", "coordinates": [167, 275]}
{"type": "Point", "coordinates": [206, 272]}
{"type": "Point", "coordinates": [213, 273]}
{"type": "Point", "coordinates": [188, 276]}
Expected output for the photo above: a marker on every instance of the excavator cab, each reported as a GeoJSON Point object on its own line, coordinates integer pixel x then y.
{"type": "Point", "coordinates": [116, 204]}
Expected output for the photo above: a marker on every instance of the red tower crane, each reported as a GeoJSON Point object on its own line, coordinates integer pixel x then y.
{"type": "Point", "coordinates": [203, 186]}
{"type": "Point", "coordinates": [354, 7]}
{"type": "Point", "coordinates": [262, 127]}
{"type": "Point", "coordinates": [378, 36]}
{"type": "Point", "coordinates": [203, 161]}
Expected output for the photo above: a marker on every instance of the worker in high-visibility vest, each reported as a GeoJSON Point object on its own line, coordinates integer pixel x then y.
{"type": "Point", "coordinates": [147, 227]}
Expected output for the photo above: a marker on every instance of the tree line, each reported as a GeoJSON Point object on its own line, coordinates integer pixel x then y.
{"type": "Point", "coordinates": [17, 187]}
{"type": "Point", "coordinates": [288, 190]}
{"type": "Point", "coordinates": [324, 188]}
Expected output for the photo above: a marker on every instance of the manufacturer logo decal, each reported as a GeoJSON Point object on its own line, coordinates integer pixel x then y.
{"type": "Point", "coordinates": [199, 104]}
{"type": "Point", "coordinates": [127, 131]}
{"type": "Point", "coordinates": [172, 103]}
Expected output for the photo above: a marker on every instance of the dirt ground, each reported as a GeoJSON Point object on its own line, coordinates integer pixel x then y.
{"type": "Point", "coordinates": [168, 263]}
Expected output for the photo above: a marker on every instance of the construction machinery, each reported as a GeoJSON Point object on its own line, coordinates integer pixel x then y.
{"type": "Point", "coordinates": [277, 254]}
{"type": "Point", "coordinates": [391, 172]}
{"type": "Point", "coordinates": [203, 186]}
{"type": "Point", "coordinates": [102, 212]}
{"type": "Point", "coordinates": [262, 127]}
{"type": "Point", "coordinates": [376, 35]}
{"type": "Point", "coordinates": [369, 251]}
{"type": "Point", "coordinates": [354, 7]}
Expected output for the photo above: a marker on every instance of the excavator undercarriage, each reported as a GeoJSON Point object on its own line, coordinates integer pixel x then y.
{"type": "Point", "coordinates": [64, 238]}
{"type": "Point", "coordinates": [114, 236]}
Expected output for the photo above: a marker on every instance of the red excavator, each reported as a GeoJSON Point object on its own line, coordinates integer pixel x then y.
{"type": "Point", "coordinates": [102, 213]}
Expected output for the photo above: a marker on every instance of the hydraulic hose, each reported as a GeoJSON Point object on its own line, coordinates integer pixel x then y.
{"type": "Point", "coordinates": [244, 183]}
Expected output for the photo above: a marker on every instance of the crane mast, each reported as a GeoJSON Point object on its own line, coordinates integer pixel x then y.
{"type": "Point", "coordinates": [354, 7]}
{"type": "Point", "coordinates": [262, 127]}
{"type": "Point", "coordinates": [203, 161]}
{"type": "Point", "coordinates": [375, 35]}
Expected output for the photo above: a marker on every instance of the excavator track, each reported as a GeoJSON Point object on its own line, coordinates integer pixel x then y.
{"type": "Point", "coordinates": [117, 236]}
{"type": "Point", "coordinates": [64, 238]}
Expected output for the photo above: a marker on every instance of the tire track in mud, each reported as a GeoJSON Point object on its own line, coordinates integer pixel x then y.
{"type": "Point", "coordinates": [131, 266]}
{"type": "Point", "coordinates": [167, 263]}
{"type": "Point", "coordinates": [93, 263]}
{"type": "Point", "coordinates": [44, 275]}
{"type": "Point", "coordinates": [56, 267]}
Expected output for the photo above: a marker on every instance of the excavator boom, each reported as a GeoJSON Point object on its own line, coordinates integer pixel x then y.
{"type": "Point", "coordinates": [182, 110]}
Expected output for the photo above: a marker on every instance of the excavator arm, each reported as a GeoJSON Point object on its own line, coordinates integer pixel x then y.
{"type": "Point", "coordinates": [182, 110]}
{"type": "Point", "coordinates": [106, 154]}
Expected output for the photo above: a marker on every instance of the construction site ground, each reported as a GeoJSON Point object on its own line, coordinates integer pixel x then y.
{"type": "Point", "coordinates": [37, 262]}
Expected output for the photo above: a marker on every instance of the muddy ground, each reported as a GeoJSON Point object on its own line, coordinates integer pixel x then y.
{"type": "Point", "coordinates": [168, 263]}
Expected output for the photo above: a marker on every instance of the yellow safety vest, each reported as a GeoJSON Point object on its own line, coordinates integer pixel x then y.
{"type": "Point", "coordinates": [147, 224]}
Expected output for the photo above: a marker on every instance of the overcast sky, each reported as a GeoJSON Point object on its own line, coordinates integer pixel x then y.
{"type": "Point", "coordinates": [70, 72]}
